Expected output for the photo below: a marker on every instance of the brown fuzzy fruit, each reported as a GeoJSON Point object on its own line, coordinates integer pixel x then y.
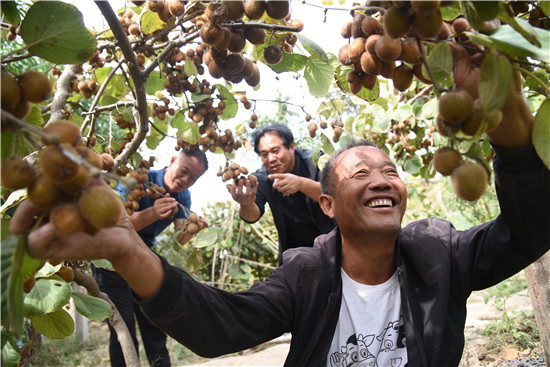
{"type": "Point", "coordinates": [356, 49]}
{"type": "Point", "coordinates": [421, 7]}
{"type": "Point", "coordinates": [192, 228]}
{"type": "Point", "coordinates": [397, 21]}
{"type": "Point", "coordinates": [212, 35]}
{"type": "Point", "coordinates": [356, 30]}
{"type": "Point", "coordinates": [417, 70]}
{"type": "Point", "coordinates": [469, 181]}
{"type": "Point", "coordinates": [446, 159]}
{"type": "Point", "coordinates": [256, 36]}
{"type": "Point", "coordinates": [455, 106]}
{"type": "Point", "coordinates": [176, 7]}
{"type": "Point", "coordinates": [253, 179]}
{"type": "Point", "coordinates": [43, 193]}
{"type": "Point", "coordinates": [156, 5]}
{"type": "Point", "coordinates": [346, 29]}
{"type": "Point", "coordinates": [193, 218]}
{"type": "Point", "coordinates": [66, 273]}
{"type": "Point", "coordinates": [277, 9]}
{"type": "Point", "coordinates": [21, 109]}
{"type": "Point", "coordinates": [273, 54]}
{"type": "Point", "coordinates": [370, 26]}
{"type": "Point", "coordinates": [254, 80]}
{"type": "Point", "coordinates": [11, 94]}
{"type": "Point", "coordinates": [67, 220]}
{"type": "Point", "coordinates": [235, 9]}
{"type": "Point", "coordinates": [67, 131]}
{"type": "Point", "coordinates": [75, 186]}
{"type": "Point", "coordinates": [16, 174]}
{"type": "Point", "coordinates": [56, 165]}
{"type": "Point", "coordinates": [387, 48]}
{"type": "Point", "coordinates": [100, 206]}
{"type": "Point", "coordinates": [254, 9]}
{"type": "Point", "coordinates": [108, 161]}
{"type": "Point", "coordinates": [410, 52]}
{"type": "Point", "coordinates": [344, 55]}
{"type": "Point", "coordinates": [368, 81]}
{"type": "Point", "coordinates": [473, 124]}
{"type": "Point", "coordinates": [427, 26]}
{"type": "Point", "coordinates": [370, 63]}
{"type": "Point", "coordinates": [237, 43]}
{"type": "Point", "coordinates": [35, 86]}
{"type": "Point", "coordinates": [402, 77]}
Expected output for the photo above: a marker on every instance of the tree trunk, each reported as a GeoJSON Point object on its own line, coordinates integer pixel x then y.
{"type": "Point", "coordinates": [538, 280]}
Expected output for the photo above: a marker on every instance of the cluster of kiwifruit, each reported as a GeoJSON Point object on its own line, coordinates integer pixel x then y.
{"type": "Point", "coordinates": [166, 10]}
{"type": "Point", "coordinates": [337, 128]}
{"type": "Point", "coordinates": [379, 41]}
{"type": "Point", "coordinates": [530, 10]}
{"type": "Point", "coordinates": [192, 224]}
{"type": "Point", "coordinates": [458, 111]}
{"type": "Point", "coordinates": [226, 141]}
{"type": "Point", "coordinates": [59, 182]}
{"type": "Point", "coordinates": [88, 88]}
{"type": "Point", "coordinates": [17, 92]}
{"type": "Point", "coordinates": [131, 28]}
{"type": "Point", "coordinates": [469, 179]}
{"type": "Point", "coordinates": [236, 172]}
{"type": "Point", "coordinates": [160, 111]}
{"type": "Point", "coordinates": [13, 31]}
{"type": "Point", "coordinates": [253, 120]}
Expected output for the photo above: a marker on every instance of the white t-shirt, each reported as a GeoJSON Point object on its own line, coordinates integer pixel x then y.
{"type": "Point", "coordinates": [370, 330]}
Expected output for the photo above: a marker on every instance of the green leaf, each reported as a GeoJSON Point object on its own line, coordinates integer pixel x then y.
{"type": "Point", "coordinates": [289, 62]}
{"type": "Point", "coordinates": [342, 83]}
{"type": "Point", "coordinates": [104, 264]}
{"type": "Point", "coordinates": [205, 237]}
{"type": "Point", "coordinates": [55, 325]}
{"type": "Point", "coordinates": [413, 165]}
{"type": "Point", "coordinates": [30, 266]}
{"type": "Point", "coordinates": [13, 199]}
{"type": "Point", "coordinates": [231, 106]}
{"type": "Point", "coordinates": [487, 10]}
{"type": "Point", "coordinates": [381, 119]}
{"type": "Point", "coordinates": [402, 112]}
{"type": "Point", "coordinates": [150, 23]}
{"type": "Point", "coordinates": [521, 26]}
{"type": "Point", "coordinates": [178, 122]}
{"type": "Point", "coordinates": [507, 40]}
{"type": "Point", "coordinates": [545, 7]}
{"type": "Point", "coordinates": [54, 31]}
{"type": "Point", "coordinates": [319, 76]}
{"type": "Point", "coordinates": [15, 283]}
{"type": "Point", "coordinates": [440, 62]}
{"type": "Point", "coordinates": [328, 148]}
{"type": "Point", "coordinates": [495, 81]}
{"type": "Point", "coordinates": [189, 67]}
{"type": "Point", "coordinates": [95, 309]}
{"type": "Point", "coordinates": [190, 133]}
{"type": "Point", "coordinates": [47, 270]}
{"type": "Point", "coordinates": [470, 13]}
{"type": "Point", "coordinates": [449, 13]}
{"type": "Point", "coordinates": [313, 48]}
{"type": "Point", "coordinates": [10, 13]}
{"type": "Point", "coordinates": [155, 82]}
{"type": "Point", "coordinates": [48, 295]}
{"type": "Point", "coordinates": [8, 244]}
{"type": "Point", "coordinates": [541, 132]}
{"type": "Point", "coordinates": [10, 352]}
{"type": "Point", "coordinates": [152, 142]}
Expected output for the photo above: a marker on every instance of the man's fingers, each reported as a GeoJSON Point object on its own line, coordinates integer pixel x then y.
{"type": "Point", "coordinates": [39, 241]}
{"type": "Point", "coordinates": [24, 217]}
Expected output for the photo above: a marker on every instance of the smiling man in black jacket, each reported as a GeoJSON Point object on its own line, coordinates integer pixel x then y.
{"type": "Point", "coordinates": [419, 276]}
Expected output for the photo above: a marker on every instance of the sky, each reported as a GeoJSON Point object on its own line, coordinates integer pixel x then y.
{"type": "Point", "coordinates": [320, 26]}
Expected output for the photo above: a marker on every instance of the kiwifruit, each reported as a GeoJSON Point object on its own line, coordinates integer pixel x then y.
{"type": "Point", "coordinates": [459, 26]}
{"type": "Point", "coordinates": [370, 25]}
{"type": "Point", "coordinates": [91, 156]}
{"type": "Point", "coordinates": [248, 69]}
{"type": "Point", "coordinates": [11, 94]}
{"type": "Point", "coordinates": [370, 63]}
{"type": "Point", "coordinates": [273, 54]}
{"type": "Point", "coordinates": [134, 29]}
{"type": "Point", "coordinates": [216, 69]}
{"type": "Point", "coordinates": [397, 21]}
{"type": "Point", "coordinates": [344, 55]}
{"type": "Point", "coordinates": [427, 26]}
{"type": "Point", "coordinates": [356, 30]}
{"type": "Point", "coordinates": [346, 29]}
{"type": "Point", "coordinates": [35, 86]}
{"type": "Point", "coordinates": [43, 192]}
{"type": "Point", "coordinates": [368, 81]}
{"type": "Point", "coordinates": [21, 109]}
{"type": "Point", "coordinates": [423, 8]}
{"type": "Point", "coordinates": [472, 125]}
{"type": "Point", "coordinates": [67, 131]}
{"type": "Point", "coordinates": [256, 36]}
{"type": "Point", "coordinates": [254, 80]}
{"type": "Point", "coordinates": [234, 63]}
{"type": "Point", "coordinates": [176, 7]}
{"type": "Point", "coordinates": [56, 165]}
{"type": "Point", "coordinates": [67, 220]}
{"type": "Point", "coordinates": [355, 87]}
{"type": "Point", "coordinates": [445, 32]}
{"type": "Point", "coordinates": [218, 55]}
{"type": "Point", "coordinates": [223, 44]}
{"type": "Point", "coordinates": [193, 218]}
{"type": "Point", "coordinates": [165, 14]}
{"type": "Point", "coordinates": [387, 69]}
{"type": "Point", "coordinates": [402, 77]}
{"type": "Point", "coordinates": [387, 48]}
{"type": "Point", "coordinates": [410, 52]}
{"type": "Point", "coordinates": [469, 181]}
{"type": "Point", "coordinates": [298, 24]}
{"type": "Point", "coordinates": [238, 41]}
{"type": "Point", "coordinates": [108, 161]}
{"type": "Point", "coordinates": [77, 184]}
{"type": "Point", "coordinates": [156, 5]}
{"type": "Point", "coordinates": [353, 76]}
{"type": "Point", "coordinates": [356, 49]}
{"type": "Point", "coordinates": [100, 206]}
{"type": "Point", "coordinates": [16, 174]}
{"type": "Point", "coordinates": [444, 128]}
{"type": "Point", "coordinates": [254, 9]}
{"type": "Point", "coordinates": [277, 9]}
{"type": "Point", "coordinates": [192, 228]}
{"type": "Point", "coordinates": [235, 9]}
{"type": "Point", "coordinates": [66, 273]}
{"type": "Point", "coordinates": [493, 120]}
{"type": "Point", "coordinates": [446, 159]}
{"type": "Point", "coordinates": [455, 106]}
{"type": "Point", "coordinates": [138, 2]}
{"type": "Point", "coordinates": [371, 42]}
{"type": "Point", "coordinates": [212, 35]}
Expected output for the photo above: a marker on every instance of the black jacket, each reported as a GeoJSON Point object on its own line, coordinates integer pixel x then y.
{"type": "Point", "coordinates": [438, 268]}
{"type": "Point", "coordinates": [266, 193]}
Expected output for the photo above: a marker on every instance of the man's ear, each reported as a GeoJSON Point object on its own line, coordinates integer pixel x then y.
{"type": "Point", "coordinates": [172, 160]}
{"type": "Point", "coordinates": [291, 147]}
{"type": "Point", "coordinates": [325, 202]}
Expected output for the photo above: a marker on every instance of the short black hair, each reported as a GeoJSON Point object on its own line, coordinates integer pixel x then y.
{"type": "Point", "coordinates": [282, 130]}
{"type": "Point", "coordinates": [197, 153]}
{"type": "Point", "coordinates": [327, 174]}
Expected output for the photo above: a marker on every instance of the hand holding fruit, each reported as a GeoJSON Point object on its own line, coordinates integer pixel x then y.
{"type": "Point", "coordinates": [164, 207]}
{"type": "Point", "coordinates": [243, 192]}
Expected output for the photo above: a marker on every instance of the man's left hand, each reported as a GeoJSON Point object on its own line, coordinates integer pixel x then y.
{"type": "Point", "coordinates": [286, 183]}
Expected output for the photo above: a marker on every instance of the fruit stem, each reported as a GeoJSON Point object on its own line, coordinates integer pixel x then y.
{"type": "Point", "coordinates": [438, 89]}
{"type": "Point", "coordinates": [534, 77]}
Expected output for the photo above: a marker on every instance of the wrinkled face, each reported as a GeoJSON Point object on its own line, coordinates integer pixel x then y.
{"type": "Point", "coordinates": [369, 196]}
{"type": "Point", "coordinates": [274, 155]}
{"type": "Point", "coordinates": [182, 172]}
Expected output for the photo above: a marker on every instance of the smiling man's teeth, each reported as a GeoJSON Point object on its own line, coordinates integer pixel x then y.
{"type": "Point", "coordinates": [380, 202]}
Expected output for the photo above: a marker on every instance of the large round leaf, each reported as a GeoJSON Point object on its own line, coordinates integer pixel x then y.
{"type": "Point", "coordinates": [55, 325]}
{"type": "Point", "coordinates": [54, 31]}
{"type": "Point", "coordinates": [48, 295]}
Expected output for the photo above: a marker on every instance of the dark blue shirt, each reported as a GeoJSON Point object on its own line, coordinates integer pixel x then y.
{"type": "Point", "coordinates": [149, 233]}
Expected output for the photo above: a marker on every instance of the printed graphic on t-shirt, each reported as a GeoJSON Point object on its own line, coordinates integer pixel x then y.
{"type": "Point", "coordinates": [386, 348]}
